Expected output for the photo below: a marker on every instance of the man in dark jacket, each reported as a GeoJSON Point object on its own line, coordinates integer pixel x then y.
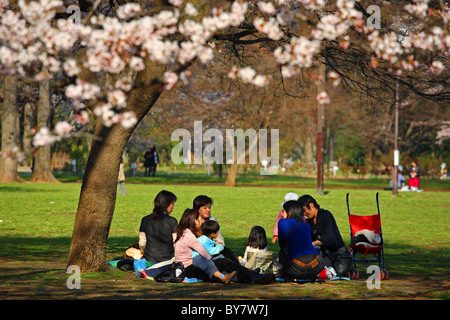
{"type": "Point", "coordinates": [324, 230]}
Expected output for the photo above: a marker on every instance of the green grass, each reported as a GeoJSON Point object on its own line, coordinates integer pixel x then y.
{"type": "Point", "coordinates": [37, 223]}
{"type": "Point", "coordinates": [253, 178]}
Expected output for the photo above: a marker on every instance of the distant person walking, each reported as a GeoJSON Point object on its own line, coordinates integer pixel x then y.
{"type": "Point", "coordinates": [151, 160]}
{"type": "Point", "coordinates": [121, 179]}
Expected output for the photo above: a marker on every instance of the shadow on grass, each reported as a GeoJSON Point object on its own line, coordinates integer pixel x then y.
{"type": "Point", "coordinates": [15, 188]}
{"type": "Point", "coordinates": [34, 268]}
{"type": "Point", "coordinates": [401, 259]}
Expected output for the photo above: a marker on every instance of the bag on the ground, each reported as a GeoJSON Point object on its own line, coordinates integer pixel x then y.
{"type": "Point", "coordinates": [175, 273]}
{"type": "Point", "coordinates": [342, 263]}
{"type": "Point", "coordinates": [139, 265]}
{"type": "Point", "coordinates": [126, 264]}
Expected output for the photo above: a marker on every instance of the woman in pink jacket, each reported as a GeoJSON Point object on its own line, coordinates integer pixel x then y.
{"type": "Point", "coordinates": [186, 242]}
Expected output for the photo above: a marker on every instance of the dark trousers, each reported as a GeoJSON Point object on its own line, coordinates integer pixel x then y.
{"type": "Point", "coordinates": [229, 254]}
{"type": "Point", "coordinates": [223, 265]}
{"type": "Point", "coordinates": [194, 272]}
{"type": "Point", "coordinates": [299, 270]}
{"type": "Point", "coordinates": [327, 254]}
{"type": "Point", "coordinates": [304, 270]}
{"type": "Point", "coordinates": [228, 265]}
{"type": "Point", "coordinates": [151, 171]}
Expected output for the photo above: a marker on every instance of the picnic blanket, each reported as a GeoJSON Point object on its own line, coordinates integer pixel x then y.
{"type": "Point", "coordinates": [150, 271]}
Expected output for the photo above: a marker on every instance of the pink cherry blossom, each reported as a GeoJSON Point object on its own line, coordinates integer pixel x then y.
{"type": "Point", "coordinates": [323, 98]}
{"type": "Point", "coordinates": [129, 10]}
{"type": "Point", "coordinates": [43, 137]}
{"type": "Point", "coordinates": [170, 78]}
{"type": "Point", "coordinates": [176, 3]}
{"type": "Point", "coordinates": [71, 68]}
{"type": "Point", "coordinates": [267, 7]}
{"type": "Point", "coordinates": [117, 98]}
{"type": "Point", "coordinates": [82, 90]}
{"type": "Point", "coordinates": [63, 129]}
{"type": "Point", "coordinates": [269, 27]}
{"type": "Point", "coordinates": [34, 44]}
{"type": "Point", "coordinates": [128, 119]}
{"type": "Point", "coordinates": [190, 9]}
{"type": "Point", "coordinates": [82, 117]}
{"type": "Point", "coordinates": [335, 77]}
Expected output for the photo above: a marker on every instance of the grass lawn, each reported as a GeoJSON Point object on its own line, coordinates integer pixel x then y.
{"type": "Point", "coordinates": [37, 222]}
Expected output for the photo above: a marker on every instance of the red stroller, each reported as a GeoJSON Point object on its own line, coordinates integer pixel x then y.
{"type": "Point", "coordinates": [367, 239]}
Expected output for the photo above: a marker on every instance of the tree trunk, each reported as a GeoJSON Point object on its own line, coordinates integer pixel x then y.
{"type": "Point", "coordinates": [331, 143]}
{"type": "Point", "coordinates": [232, 174]}
{"type": "Point", "coordinates": [320, 131]}
{"type": "Point", "coordinates": [97, 199]}
{"type": "Point", "coordinates": [10, 132]}
{"type": "Point", "coordinates": [99, 187]}
{"type": "Point", "coordinates": [42, 171]}
{"type": "Point", "coordinates": [28, 124]}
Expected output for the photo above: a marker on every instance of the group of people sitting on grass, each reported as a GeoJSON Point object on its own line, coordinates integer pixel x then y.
{"type": "Point", "coordinates": [307, 234]}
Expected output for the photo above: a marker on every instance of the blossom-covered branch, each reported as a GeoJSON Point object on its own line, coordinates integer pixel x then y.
{"type": "Point", "coordinates": [33, 43]}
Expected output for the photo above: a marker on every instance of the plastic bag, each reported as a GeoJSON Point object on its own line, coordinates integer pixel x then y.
{"type": "Point", "coordinates": [139, 265]}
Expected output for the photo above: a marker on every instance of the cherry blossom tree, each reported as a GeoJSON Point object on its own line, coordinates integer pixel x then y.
{"type": "Point", "coordinates": [118, 60]}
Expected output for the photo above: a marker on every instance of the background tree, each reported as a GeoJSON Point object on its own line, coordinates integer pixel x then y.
{"type": "Point", "coordinates": [42, 171]}
{"type": "Point", "coordinates": [10, 132]}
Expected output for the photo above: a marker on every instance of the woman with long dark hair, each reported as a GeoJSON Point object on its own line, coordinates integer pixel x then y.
{"type": "Point", "coordinates": [157, 229]}
{"type": "Point", "coordinates": [299, 258]}
{"type": "Point", "coordinates": [188, 231]}
{"type": "Point", "coordinates": [186, 242]}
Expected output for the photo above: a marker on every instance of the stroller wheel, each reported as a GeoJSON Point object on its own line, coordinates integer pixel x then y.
{"type": "Point", "coordinates": [384, 275]}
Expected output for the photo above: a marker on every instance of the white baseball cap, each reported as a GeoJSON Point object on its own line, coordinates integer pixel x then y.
{"type": "Point", "coordinates": [289, 196]}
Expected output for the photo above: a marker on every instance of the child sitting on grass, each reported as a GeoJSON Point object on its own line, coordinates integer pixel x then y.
{"type": "Point", "coordinates": [289, 196]}
{"type": "Point", "coordinates": [210, 230]}
{"type": "Point", "coordinates": [257, 242]}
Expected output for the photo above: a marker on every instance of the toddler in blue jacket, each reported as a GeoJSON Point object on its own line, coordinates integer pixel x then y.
{"type": "Point", "coordinates": [210, 230]}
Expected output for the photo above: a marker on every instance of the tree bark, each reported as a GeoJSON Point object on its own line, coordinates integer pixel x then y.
{"type": "Point", "coordinates": [10, 131]}
{"type": "Point", "coordinates": [28, 124]}
{"type": "Point", "coordinates": [232, 174]}
{"type": "Point", "coordinates": [320, 130]}
{"type": "Point", "coordinates": [42, 171]}
{"type": "Point", "coordinates": [99, 187]}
